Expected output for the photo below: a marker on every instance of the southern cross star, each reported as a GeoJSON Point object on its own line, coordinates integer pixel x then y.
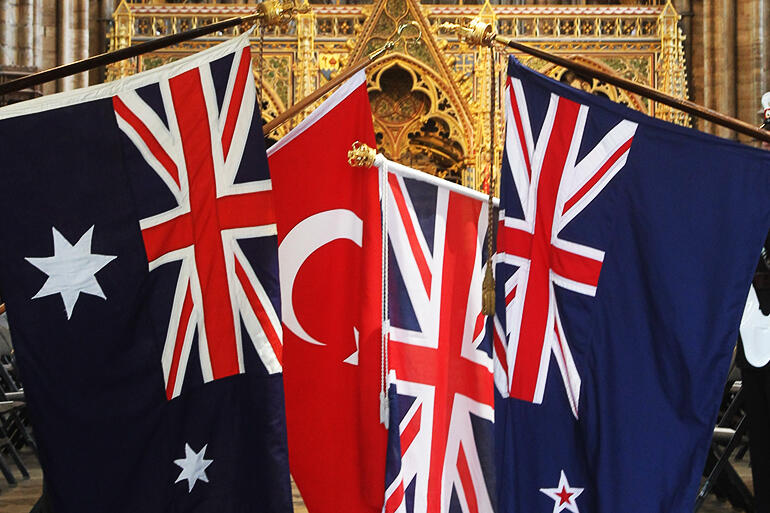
{"type": "Point", "coordinates": [563, 496]}
{"type": "Point", "coordinates": [71, 270]}
{"type": "Point", "coordinates": [193, 467]}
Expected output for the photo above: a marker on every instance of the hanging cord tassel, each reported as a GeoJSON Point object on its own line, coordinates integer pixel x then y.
{"type": "Point", "coordinates": [384, 402]}
{"type": "Point", "coordinates": [261, 65]}
{"type": "Point", "coordinates": [361, 155]}
{"type": "Point", "coordinates": [488, 286]}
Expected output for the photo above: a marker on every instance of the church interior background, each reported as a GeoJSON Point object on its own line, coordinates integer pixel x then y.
{"type": "Point", "coordinates": [430, 96]}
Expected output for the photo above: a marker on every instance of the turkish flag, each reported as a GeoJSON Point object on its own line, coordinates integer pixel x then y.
{"type": "Point", "coordinates": [329, 235]}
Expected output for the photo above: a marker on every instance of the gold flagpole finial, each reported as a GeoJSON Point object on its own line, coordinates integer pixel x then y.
{"type": "Point", "coordinates": [275, 12]}
{"type": "Point", "coordinates": [477, 32]}
{"type": "Point", "coordinates": [361, 155]}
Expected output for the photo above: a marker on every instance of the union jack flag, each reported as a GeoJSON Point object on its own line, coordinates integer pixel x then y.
{"type": "Point", "coordinates": [440, 357]}
{"type": "Point", "coordinates": [552, 186]}
{"type": "Point", "coordinates": [195, 140]}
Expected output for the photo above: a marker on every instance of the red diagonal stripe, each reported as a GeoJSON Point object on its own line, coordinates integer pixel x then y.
{"type": "Point", "coordinates": [259, 311]}
{"type": "Point", "coordinates": [235, 100]}
{"type": "Point", "coordinates": [411, 430]}
{"type": "Point", "coordinates": [519, 127]}
{"type": "Point", "coordinates": [599, 174]}
{"type": "Point", "coordinates": [502, 354]}
{"type": "Point", "coordinates": [561, 350]}
{"type": "Point", "coordinates": [152, 143]}
{"type": "Point", "coordinates": [467, 482]}
{"type": "Point", "coordinates": [479, 325]}
{"type": "Point", "coordinates": [181, 332]}
{"type": "Point", "coordinates": [395, 499]}
{"type": "Point", "coordinates": [411, 233]}
{"type": "Point", "coordinates": [510, 296]}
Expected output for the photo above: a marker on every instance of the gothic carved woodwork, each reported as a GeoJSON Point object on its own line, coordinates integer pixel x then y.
{"type": "Point", "coordinates": [430, 97]}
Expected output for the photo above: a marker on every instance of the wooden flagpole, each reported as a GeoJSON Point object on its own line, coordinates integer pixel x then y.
{"type": "Point", "coordinates": [480, 33]}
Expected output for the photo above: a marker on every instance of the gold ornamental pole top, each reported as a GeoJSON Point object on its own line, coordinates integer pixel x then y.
{"type": "Point", "coordinates": [476, 33]}
{"type": "Point", "coordinates": [361, 155]}
{"type": "Point", "coordinates": [275, 12]}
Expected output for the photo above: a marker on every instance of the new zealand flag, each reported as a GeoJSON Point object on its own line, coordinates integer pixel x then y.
{"type": "Point", "coordinates": [138, 260]}
{"type": "Point", "coordinates": [626, 246]}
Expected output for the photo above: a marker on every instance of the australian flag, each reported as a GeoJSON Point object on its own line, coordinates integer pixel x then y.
{"type": "Point", "coordinates": [626, 246]}
{"type": "Point", "coordinates": [138, 261]}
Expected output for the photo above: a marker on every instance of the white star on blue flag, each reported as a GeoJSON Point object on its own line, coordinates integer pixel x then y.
{"type": "Point", "coordinates": [71, 270]}
{"type": "Point", "coordinates": [193, 467]}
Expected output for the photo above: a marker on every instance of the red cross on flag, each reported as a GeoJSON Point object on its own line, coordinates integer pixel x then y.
{"type": "Point", "coordinates": [194, 142]}
{"type": "Point", "coordinates": [440, 362]}
{"type": "Point", "coordinates": [553, 188]}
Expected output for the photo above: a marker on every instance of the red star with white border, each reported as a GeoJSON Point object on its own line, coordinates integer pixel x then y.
{"type": "Point", "coordinates": [563, 495]}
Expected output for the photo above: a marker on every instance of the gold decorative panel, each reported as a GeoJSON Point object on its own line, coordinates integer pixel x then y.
{"type": "Point", "coordinates": [430, 97]}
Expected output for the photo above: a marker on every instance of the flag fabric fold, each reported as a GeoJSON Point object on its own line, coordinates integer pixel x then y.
{"type": "Point", "coordinates": [139, 263]}
{"type": "Point", "coordinates": [625, 249]}
{"type": "Point", "coordinates": [330, 242]}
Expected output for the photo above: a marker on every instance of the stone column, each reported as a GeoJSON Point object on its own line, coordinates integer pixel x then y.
{"type": "Point", "coordinates": [697, 36]}
{"type": "Point", "coordinates": [3, 10]}
{"type": "Point", "coordinates": [751, 77]}
{"type": "Point", "coordinates": [9, 9]}
{"type": "Point", "coordinates": [64, 38]}
{"type": "Point", "coordinates": [714, 56]}
{"type": "Point", "coordinates": [724, 53]}
{"type": "Point", "coordinates": [100, 11]}
{"type": "Point", "coordinates": [39, 31]}
{"type": "Point", "coordinates": [72, 39]}
{"type": "Point", "coordinates": [81, 36]}
{"type": "Point", "coordinates": [26, 34]}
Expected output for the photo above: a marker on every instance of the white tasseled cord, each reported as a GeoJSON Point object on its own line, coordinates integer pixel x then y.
{"type": "Point", "coordinates": [382, 165]}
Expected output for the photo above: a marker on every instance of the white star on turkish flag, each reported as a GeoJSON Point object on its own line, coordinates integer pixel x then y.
{"type": "Point", "coordinates": [563, 495]}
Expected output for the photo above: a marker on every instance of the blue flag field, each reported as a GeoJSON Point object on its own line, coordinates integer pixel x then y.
{"type": "Point", "coordinates": [626, 246]}
{"type": "Point", "coordinates": [139, 266]}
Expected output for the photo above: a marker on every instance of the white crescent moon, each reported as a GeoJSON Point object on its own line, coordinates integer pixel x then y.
{"type": "Point", "coordinates": [755, 332]}
{"type": "Point", "coordinates": [305, 238]}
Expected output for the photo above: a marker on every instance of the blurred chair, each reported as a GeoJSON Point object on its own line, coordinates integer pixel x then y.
{"type": "Point", "coordinates": [729, 436]}
{"type": "Point", "coordinates": [13, 430]}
